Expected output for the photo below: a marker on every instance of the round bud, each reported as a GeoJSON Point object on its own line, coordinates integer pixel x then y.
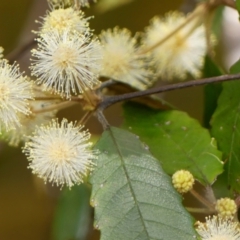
{"type": "Point", "coordinates": [182, 181]}
{"type": "Point", "coordinates": [226, 207]}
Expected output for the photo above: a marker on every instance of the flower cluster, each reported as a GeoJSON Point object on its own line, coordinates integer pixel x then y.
{"type": "Point", "coordinates": [171, 48]}
{"type": "Point", "coordinates": [69, 62]}
{"type": "Point", "coordinates": [68, 66]}
{"type": "Point", "coordinates": [68, 58]}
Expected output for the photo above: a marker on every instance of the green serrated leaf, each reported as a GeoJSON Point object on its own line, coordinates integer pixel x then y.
{"type": "Point", "coordinates": [225, 128]}
{"type": "Point", "coordinates": [211, 91]}
{"type": "Point", "coordinates": [73, 214]}
{"type": "Point", "coordinates": [133, 197]}
{"type": "Point", "coordinates": [177, 140]}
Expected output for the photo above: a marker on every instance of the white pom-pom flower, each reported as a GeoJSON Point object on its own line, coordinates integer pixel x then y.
{"type": "Point", "coordinates": [62, 19]}
{"type": "Point", "coordinates": [217, 228]}
{"type": "Point", "coordinates": [121, 60]}
{"type": "Point", "coordinates": [60, 153]}
{"type": "Point", "coordinates": [15, 93]}
{"type": "Point", "coordinates": [180, 54]}
{"type": "Point", "coordinates": [65, 63]}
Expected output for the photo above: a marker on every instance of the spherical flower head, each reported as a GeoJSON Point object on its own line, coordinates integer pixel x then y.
{"type": "Point", "coordinates": [60, 153]}
{"type": "Point", "coordinates": [62, 19]}
{"type": "Point", "coordinates": [121, 60]}
{"type": "Point", "coordinates": [15, 93]}
{"type": "Point", "coordinates": [217, 228]}
{"type": "Point", "coordinates": [1, 52]}
{"type": "Point", "coordinates": [182, 181]}
{"type": "Point", "coordinates": [226, 207]}
{"type": "Point", "coordinates": [67, 64]}
{"type": "Point", "coordinates": [183, 52]}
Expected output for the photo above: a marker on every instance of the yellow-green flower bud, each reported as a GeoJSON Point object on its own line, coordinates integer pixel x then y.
{"type": "Point", "coordinates": [182, 181]}
{"type": "Point", "coordinates": [226, 207]}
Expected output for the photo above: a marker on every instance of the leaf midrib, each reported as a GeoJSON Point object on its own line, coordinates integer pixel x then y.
{"type": "Point", "coordinates": [128, 181]}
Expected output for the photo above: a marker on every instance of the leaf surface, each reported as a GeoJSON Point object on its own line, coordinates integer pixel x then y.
{"type": "Point", "coordinates": [177, 140]}
{"type": "Point", "coordinates": [133, 197]}
{"type": "Point", "coordinates": [211, 91]}
{"type": "Point", "coordinates": [226, 128]}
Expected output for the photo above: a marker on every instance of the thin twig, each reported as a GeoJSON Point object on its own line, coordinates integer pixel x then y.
{"type": "Point", "coordinates": [200, 210]}
{"type": "Point", "coordinates": [105, 84]}
{"type": "Point", "coordinates": [110, 100]}
{"type": "Point", "coordinates": [85, 118]}
{"type": "Point", "coordinates": [58, 106]}
{"type": "Point", "coordinates": [204, 201]}
{"type": "Point", "coordinates": [46, 98]}
{"type": "Point", "coordinates": [102, 119]}
{"type": "Point", "coordinates": [73, 99]}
